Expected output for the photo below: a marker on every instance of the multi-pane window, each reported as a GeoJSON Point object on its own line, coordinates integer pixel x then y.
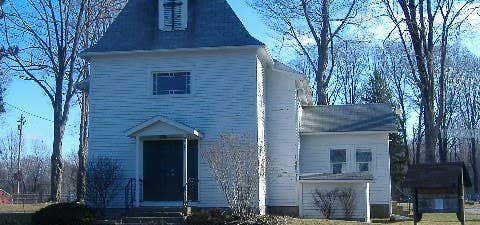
{"type": "Point", "coordinates": [171, 83]}
{"type": "Point", "coordinates": [338, 160]}
{"type": "Point", "coordinates": [364, 160]}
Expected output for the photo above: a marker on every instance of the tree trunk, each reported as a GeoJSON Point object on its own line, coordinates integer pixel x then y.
{"type": "Point", "coordinates": [424, 58]}
{"type": "Point", "coordinates": [419, 136]}
{"type": "Point", "coordinates": [322, 97]}
{"type": "Point", "coordinates": [59, 122]}
{"type": "Point", "coordinates": [82, 149]}
{"type": "Point", "coordinates": [442, 134]}
{"type": "Point", "coordinates": [430, 131]}
{"type": "Point", "coordinates": [56, 160]}
{"type": "Point", "coordinates": [474, 165]}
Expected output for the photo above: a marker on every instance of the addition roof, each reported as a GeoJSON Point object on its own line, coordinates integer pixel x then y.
{"type": "Point", "coordinates": [347, 118]}
{"type": "Point", "coordinates": [337, 177]}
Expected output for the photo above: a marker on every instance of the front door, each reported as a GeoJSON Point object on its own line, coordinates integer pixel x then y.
{"type": "Point", "coordinates": [162, 171]}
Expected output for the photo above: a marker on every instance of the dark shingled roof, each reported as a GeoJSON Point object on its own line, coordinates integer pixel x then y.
{"type": "Point", "coordinates": [211, 23]}
{"type": "Point", "coordinates": [440, 175]}
{"type": "Point", "coordinates": [347, 118]}
{"type": "Point", "coordinates": [342, 176]}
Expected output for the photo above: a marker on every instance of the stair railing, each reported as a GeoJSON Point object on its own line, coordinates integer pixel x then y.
{"type": "Point", "coordinates": [130, 194]}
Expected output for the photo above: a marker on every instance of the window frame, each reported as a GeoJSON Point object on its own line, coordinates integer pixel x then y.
{"type": "Point", "coordinates": [183, 18]}
{"type": "Point", "coordinates": [156, 93]}
{"type": "Point", "coordinates": [370, 163]}
{"type": "Point", "coordinates": [343, 164]}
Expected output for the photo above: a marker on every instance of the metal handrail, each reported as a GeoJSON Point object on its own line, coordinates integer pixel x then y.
{"type": "Point", "coordinates": [129, 194]}
{"type": "Point", "coordinates": [131, 191]}
{"type": "Point", "coordinates": [6, 193]}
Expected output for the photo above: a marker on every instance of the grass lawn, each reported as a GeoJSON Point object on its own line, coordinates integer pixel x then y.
{"type": "Point", "coordinates": [428, 219]}
{"type": "Point", "coordinates": [21, 208]}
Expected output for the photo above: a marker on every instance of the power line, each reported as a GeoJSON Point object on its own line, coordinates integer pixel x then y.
{"type": "Point", "coordinates": [37, 116]}
{"type": "Point", "coordinates": [28, 113]}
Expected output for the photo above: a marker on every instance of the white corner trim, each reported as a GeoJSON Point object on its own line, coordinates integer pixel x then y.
{"type": "Point", "coordinates": [132, 131]}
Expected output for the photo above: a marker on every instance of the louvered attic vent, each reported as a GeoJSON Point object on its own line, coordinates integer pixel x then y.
{"type": "Point", "coordinates": [173, 14]}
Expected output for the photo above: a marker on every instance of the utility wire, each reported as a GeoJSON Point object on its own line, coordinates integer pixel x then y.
{"type": "Point", "coordinates": [27, 112]}
{"type": "Point", "coordinates": [37, 116]}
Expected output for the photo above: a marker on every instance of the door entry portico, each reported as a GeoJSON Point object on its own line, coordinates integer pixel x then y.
{"type": "Point", "coordinates": [166, 162]}
{"type": "Point", "coordinates": [162, 171]}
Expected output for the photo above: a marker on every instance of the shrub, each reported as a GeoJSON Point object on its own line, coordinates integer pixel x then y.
{"type": "Point", "coordinates": [64, 214]}
{"type": "Point", "coordinates": [14, 218]}
{"type": "Point", "coordinates": [103, 182]}
{"type": "Point", "coordinates": [269, 220]}
{"type": "Point", "coordinates": [324, 201]}
{"type": "Point", "coordinates": [347, 198]}
{"type": "Point", "coordinates": [212, 217]}
{"type": "Point", "coordinates": [217, 217]}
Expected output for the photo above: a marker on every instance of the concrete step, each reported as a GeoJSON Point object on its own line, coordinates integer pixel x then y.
{"type": "Point", "coordinates": [154, 220]}
{"type": "Point", "coordinates": [155, 214]}
{"type": "Point", "coordinates": [107, 222]}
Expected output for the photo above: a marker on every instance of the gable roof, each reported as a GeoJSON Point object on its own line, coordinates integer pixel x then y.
{"type": "Point", "coordinates": [347, 118]}
{"type": "Point", "coordinates": [211, 23]}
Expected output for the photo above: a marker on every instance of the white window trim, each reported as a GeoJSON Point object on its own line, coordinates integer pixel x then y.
{"type": "Point", "coordinates": [344, 164]}
{"type": "Point", "coordinates": [151, 86]}
{"type": "Point", "coordinates": [372, 165]}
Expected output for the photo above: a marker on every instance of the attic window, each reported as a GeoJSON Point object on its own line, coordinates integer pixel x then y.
{"type": "Point", "coordinates": [173, 14]}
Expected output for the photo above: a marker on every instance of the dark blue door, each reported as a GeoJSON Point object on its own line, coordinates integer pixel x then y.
{"type": "Point", "coordinates": [162, 171]}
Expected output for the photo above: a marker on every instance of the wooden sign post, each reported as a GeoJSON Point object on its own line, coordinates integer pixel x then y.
{"type": "Point", "coordinates": [438, 188]}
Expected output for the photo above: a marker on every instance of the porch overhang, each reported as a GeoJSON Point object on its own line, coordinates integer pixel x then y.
{"type": "Point", "coordinates": [160, 126]}
{"type": "Point", "coordinates": [336, 178]}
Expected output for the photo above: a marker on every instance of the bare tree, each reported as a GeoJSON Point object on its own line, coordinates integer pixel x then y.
{"type": "Point", "coordinates": [234, 163]}
{"type": "Point", "coordinates": [399, 76]}
{"type": "Point", "coordinates": [35, 167]}
{"type": "Point", "coordinates": [420, 19]}
{"type": "Point", "coordinates": [352, 67]}
{"type": "Point", "coordinates": [3, 83]}
{"type": "Point", "coordinates": [310, 27]}
{"type": "Point", "coordinates": [70, 177]}
{"type": "Point", "coordinates": [466, 66]}
{"type": "Point", "coordinates": [50, 35]}
{"type": "Point", "coordinates": [104, 181]}
{"type": "Point", "coordinates": [453, 14]}
{"type": "Point", "coordinates": [9, 158]}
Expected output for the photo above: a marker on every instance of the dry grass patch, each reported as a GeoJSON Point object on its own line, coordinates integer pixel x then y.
{"type": "Point", "coordinates": [21, 208]}
{"type": "Point", "coordinates": [429, 219]}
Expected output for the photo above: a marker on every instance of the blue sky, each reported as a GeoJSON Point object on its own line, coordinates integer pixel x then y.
{"type": "Point", "coordinates": [25, 95]}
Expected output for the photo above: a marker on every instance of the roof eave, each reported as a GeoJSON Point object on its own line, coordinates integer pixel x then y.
{"type": "Point", "coordinates": [89, 54]}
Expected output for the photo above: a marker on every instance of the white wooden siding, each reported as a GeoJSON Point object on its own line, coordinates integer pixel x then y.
{"type": "Point", "coordinates": [223, 99]}
{"type": "Point", "coordinates": [309, 210]}
{"type": "Point", "coordinates": [282, 139]}
{"type": "Point", "coordinates": [315, 158]}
